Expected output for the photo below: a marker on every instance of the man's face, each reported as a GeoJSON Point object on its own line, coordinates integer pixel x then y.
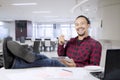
{"type": "Point", "coordinates": [81, 26]}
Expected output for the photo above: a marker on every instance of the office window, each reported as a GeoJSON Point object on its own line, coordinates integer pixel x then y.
{"type": "Point", "coordinates": [30, 31]}
{"type": "Point", "coordinates": [55, 30]}
{"type": "Point", "coordinates": [42, 30]}
{"type": "Point", "coordinates": [48, 31]}
{"type": "Point", "coordinates": [65, 30]}
{"type": "Point", "coordinates": [73, 31]}
{"type": "Point", "coordinates": [3, 30]}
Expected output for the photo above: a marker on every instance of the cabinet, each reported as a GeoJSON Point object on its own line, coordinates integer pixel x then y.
{"type": "Point", "coordinates": [21, 28]}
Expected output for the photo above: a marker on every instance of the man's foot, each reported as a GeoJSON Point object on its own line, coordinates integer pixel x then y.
{"type": "Point", "coordinates": [19, 51]}
{"type": "Point", "coordinates": [8, 57]}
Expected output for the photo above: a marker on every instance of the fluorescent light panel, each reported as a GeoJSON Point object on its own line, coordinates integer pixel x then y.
{"type": "Point", "coordinates": [51, 16]}
{"type": "Point", "coordinates": [41, 12]}
{"type": "Point", "coordinates": [24, 4]}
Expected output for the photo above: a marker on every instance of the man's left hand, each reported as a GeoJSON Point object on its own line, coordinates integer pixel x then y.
{"type": "Point", "coordinates": [69, 63]}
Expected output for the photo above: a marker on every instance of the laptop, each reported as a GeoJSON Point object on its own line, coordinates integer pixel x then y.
{"type": "Point", "coordinates": [112, 66]}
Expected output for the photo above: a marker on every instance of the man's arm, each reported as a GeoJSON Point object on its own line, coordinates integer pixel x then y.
{"type": "Point", "coordinates": [96, 54]}
{"type": "Point", "coordinates": [61, 50]}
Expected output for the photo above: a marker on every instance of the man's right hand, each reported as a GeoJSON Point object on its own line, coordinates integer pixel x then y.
{"type": "Point", "coordinates": [61, 39]}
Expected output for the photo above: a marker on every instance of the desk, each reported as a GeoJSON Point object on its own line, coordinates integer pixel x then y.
{"type": "Point", "coordinates": [46, 73]}
{"type": "Point", "coordinates": [29, 43]}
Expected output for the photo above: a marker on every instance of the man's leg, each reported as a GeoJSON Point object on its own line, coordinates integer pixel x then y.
{"type": "Point", "coordinates": [41, 61]}
{"type": "Point", "coordinates": [46, 62]}
{"type": "Point", "coordinates": [19, 51]}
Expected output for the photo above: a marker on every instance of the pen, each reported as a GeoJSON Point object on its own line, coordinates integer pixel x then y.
{"type": "Point", "coordinates": [66, 70]}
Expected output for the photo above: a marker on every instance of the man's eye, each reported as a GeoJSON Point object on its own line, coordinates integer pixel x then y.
{"type": "Point", "coordinates": [82, 23]}
{"type": "Point", "coordinates": [76, 24]}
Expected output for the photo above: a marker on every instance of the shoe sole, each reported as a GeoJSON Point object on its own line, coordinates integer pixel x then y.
{"type": "Point", "coordinates": [19, 51]}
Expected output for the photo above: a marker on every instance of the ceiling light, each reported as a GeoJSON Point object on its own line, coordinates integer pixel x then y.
{"type": "Point", "coordinates": [24, 4]}
{"type": "Point", "coordinates": [51, 16]}
{"type": "Point", "coordinates": [41, 12]}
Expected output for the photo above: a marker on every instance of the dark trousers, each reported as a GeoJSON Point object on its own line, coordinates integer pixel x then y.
{"type": "Point", "coordinates": [41, 61]}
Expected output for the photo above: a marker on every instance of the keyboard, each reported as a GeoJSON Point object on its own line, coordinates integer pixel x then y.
{"type": "Point", "coordinates": [99, 75]}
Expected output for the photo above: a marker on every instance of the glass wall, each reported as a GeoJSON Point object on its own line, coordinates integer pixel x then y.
{"type": "Point", "coordinates": [53, 31]}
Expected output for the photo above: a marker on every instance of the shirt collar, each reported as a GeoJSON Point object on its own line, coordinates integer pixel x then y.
{"type": "Point", "coordinates": [87, 37]}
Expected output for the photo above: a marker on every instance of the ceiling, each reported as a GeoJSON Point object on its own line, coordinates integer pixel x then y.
{"type": "Point", "coordinates": [47, 10]}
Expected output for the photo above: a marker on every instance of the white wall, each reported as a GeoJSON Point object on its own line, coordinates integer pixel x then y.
{"type": "Point", "coordinates": [110, 16]}
{"type": "Point", "coordinates": [109, 13]}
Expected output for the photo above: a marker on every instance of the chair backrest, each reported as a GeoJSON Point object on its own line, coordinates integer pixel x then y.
{"type": "Point", "coordinates": [7, 53]}
{"type": "Point", "coordinates": [47, 42]}
{"type": "Point", "coordinates": [38, 39]}
{"type": "Point", "coordinates": [112, 62]}
{"type": "Point", "coordinates": [36, 47]}
{"type": "Point", "coordinates": [22, 39]}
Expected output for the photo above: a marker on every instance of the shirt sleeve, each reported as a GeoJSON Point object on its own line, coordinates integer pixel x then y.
{"type": "Point", "coordinates": [61, 50]}
{"type": "Point", "coordinates": [96, 54]}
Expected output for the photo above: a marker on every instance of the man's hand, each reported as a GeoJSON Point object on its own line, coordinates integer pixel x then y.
{"type": "Point", "coordinates": [69, 63]}
{"type": "Point", "coordinates": [61, 40]}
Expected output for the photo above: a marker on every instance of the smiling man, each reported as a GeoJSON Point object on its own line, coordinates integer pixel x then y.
{"type": "Point", "coordinates": [82, 50]}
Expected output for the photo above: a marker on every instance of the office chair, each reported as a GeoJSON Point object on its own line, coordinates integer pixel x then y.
{"type": "Point", "coordinates": [22, 39]}
{"type": "Point", "coordinates": [36, 47]}
{"type": "Point", "coordinates": [41, 45]}
{"type": "Point", "coordinates": [47, 44]}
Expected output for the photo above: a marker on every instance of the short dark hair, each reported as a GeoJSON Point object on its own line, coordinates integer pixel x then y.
{"type": "Point", "coordinates": [88, 21]}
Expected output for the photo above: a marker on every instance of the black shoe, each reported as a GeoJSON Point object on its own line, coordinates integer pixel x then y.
{"type": "Point", "coordinates": [19, 51]}
{"type": "Point", "coordinates": [8, 57]}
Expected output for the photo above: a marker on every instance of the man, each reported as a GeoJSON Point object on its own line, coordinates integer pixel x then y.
{"type": "Point", "coordinates": [17, 56]}
{"type": "Point", "coordinates": [82, 50]}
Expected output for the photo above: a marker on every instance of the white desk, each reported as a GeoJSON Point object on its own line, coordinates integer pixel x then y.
{"type": "Point", "coordinates": [46, 73]}
{"type": "Point", "coordinates": [29, 43]}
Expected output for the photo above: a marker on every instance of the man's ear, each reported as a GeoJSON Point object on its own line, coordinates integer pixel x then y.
{"type": "Point", "coordinates": [88, 25]}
